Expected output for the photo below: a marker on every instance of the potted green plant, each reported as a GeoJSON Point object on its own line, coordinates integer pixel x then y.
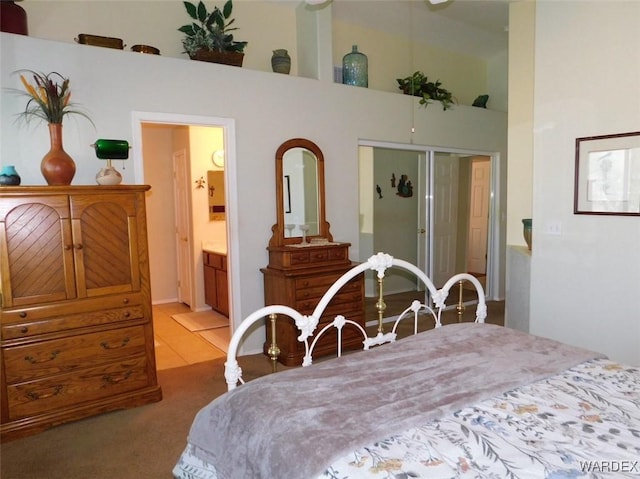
{"type": "Point", "coordinates": [419, 85]}
{"type": "Point", "coordinates": [209, 37]}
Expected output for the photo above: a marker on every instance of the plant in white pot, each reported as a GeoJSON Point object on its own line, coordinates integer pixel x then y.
{"type": "Point", "coordinates": [209, 37]}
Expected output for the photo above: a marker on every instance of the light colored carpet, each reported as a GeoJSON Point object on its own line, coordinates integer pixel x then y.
{"type": "Point", "coordinates": [201, 320]}
{"type": "Point", "coordinates": [219, 337]}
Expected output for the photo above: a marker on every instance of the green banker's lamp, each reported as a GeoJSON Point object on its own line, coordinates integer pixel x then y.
{"type": "Point", "coordinates": [110, 150]}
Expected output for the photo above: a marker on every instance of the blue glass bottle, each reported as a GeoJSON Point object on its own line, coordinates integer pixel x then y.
{"type": "Point", "coordinates": [355, 67]}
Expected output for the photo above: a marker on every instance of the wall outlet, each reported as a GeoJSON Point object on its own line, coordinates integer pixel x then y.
{"type": "Point", "coordinates": [553, 228]}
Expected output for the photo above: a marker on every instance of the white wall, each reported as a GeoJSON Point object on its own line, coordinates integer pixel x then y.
{"type": "Point", "coordinates": [585, 283]}
{"type": "Point", "coordinates": [267, 108]}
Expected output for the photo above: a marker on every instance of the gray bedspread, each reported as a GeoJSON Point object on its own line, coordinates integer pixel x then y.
{"type": "Point", "coordinates": [293, 424]}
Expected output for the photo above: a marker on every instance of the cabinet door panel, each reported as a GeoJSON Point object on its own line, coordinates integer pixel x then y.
{"type": "Point", "coordinates": [105, 247]}
{"type": "Point", "coordinates": [222, 292]}
{"type": "Point", "coordinates": [38, 254]}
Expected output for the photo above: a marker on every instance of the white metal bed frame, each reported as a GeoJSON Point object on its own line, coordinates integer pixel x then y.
{"type": "Point", "coordinates": [307, 324]}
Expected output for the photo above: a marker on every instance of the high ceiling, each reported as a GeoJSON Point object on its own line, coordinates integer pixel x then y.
{"type": "Point", "coordinates": [474, 27]}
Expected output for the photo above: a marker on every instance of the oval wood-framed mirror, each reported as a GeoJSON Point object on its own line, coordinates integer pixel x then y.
{"type": "Point", "coordinates": [300, 194]}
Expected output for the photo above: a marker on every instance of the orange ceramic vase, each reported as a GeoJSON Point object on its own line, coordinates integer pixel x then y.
{"type": "Point", "coordinates": [57, 167]}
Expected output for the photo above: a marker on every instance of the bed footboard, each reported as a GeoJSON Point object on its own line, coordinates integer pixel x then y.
{"type": "Point", "coordinates": [307, 324]}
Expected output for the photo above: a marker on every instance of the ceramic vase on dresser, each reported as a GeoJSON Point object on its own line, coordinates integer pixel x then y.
{"type": "Point", "coordinates": [57, 167]}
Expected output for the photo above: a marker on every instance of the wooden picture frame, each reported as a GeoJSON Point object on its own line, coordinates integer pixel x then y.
{"type": "Point", "coordinates": [607, 175]}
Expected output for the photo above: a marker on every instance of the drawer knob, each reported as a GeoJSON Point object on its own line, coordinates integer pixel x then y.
{"type": "Point", "coordinates": [125, 300]}
{"type": "Point", "coordinates": [24, 330]}
{"type": "Point", "coordinates": [77, 246]}
{"type": "Point", "coordinates": [123, 343]}
{"type": "Point", "coordinates": [33, 360]}
{"type": "Point", "coordinates": [36, 395]}
{"type": "Point", "coordinates": [115, 379]}
{"type": "Point", "coordinates": [23, 314]}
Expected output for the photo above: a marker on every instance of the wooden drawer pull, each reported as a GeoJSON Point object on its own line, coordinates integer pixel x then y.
{"type": "Point", "coordinates": [106, 345]}
{"type": "Point", "coordinates": [23, 314]}
{"type": "Point", "coordinates": [33, 360]}
{"type": "Point", "coordinates": [35, 395]}
{"type": "Point", "coordinates": [125, 300]}
{"type": "Point", "coordinates": [108, 378]}
{"type": "Point", "coordinates": [77, 246]}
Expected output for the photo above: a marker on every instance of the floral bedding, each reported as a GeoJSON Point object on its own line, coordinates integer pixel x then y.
{"type": "Point", "coordinates": [583, 422]}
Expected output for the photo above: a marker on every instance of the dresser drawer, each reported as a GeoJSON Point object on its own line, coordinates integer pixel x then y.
{"type": "Point", "coordinates": [343, 302]}
{"type": "Point", "coordinates": [293, 257]}
{"type": "Point", "coordinates": [26, 327]}
{"type": "Point", "coordinates": [317, 291]}
{"type": "Point", "coordinates": [64, 390]}
{"type": "Point", "coordinates": [314, 281]}
{"type": "Point", "coordinates": [67, 354]}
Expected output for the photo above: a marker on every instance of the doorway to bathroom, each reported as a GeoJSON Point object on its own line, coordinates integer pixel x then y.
{"type": "Point", "coordinates": [177, 154]}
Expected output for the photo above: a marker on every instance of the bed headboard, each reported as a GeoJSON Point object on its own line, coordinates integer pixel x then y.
{"type": "Point", "coordinates": [307, 324]}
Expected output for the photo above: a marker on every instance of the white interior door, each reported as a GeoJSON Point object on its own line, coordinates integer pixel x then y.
{"type": "Point", "coordinates": [183, 234]}
{"type": "Point", "coordinates": [445, 217]}
{"type": "Point", "coordinates": [479, 216]}
{"type": "Point", "coordinates": [423, 182]}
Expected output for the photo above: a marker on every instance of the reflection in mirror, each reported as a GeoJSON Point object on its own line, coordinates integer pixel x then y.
{"type": "Point", "coordinates": [300, 192]}
{"type": "Point", "coordinates": [215, 186]}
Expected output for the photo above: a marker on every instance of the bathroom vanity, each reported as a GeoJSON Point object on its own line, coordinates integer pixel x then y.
{"type": "Point", "coordinates": [216, 289]}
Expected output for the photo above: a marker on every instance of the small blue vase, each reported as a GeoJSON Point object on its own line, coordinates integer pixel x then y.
{"type": "Point", "coordinates": [9, 176]}
{"type": "Point", "coordinates": [355, 66]}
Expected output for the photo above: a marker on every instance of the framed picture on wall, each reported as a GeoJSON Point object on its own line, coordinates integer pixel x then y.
{"type": "Point", "coordinates": [607, 175]}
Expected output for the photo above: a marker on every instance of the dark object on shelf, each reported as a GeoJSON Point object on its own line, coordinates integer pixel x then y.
{"type": "Point", "coordinates": [210, 39]}
{"type": "Point", "coordinates": [481, 101]}
{"type": "Point", "coordinates": [225, 58]}
{"type": "Point", "coordinates": [281, 61]}
{"type": "Point", "coordinates": [13, 18]}
{"type": "Point", "coordinates": [99, 41]}
{"type": "Point", "coordinates": [419, 85]}
{"type": "Point", "coordinates": [145, 49]}
{"type": "Point", "coordinates": [9, 176]}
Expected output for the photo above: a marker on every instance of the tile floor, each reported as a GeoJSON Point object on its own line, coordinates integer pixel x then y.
{"type": "Point", "coordinates": [175, 345]}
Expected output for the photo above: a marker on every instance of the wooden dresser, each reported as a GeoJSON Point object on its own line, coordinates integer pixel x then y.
{"type": "Point", "coordinates": [298, 277]}
{"type": "Point", "coordinates": [76, 320]}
